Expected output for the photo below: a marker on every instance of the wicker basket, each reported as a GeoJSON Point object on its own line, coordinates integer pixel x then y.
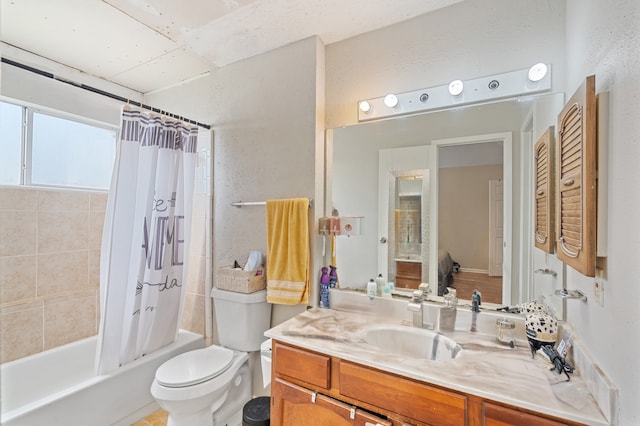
{"type": "Point", "coordinates": [240, 281]}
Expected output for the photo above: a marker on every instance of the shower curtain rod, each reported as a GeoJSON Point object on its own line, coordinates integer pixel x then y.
{"type": "Point", "coordinates": [259, 203]}
{"type": "Point", "coordinates": [102, 92]}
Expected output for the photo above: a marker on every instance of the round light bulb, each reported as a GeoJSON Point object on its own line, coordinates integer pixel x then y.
{"type": "Point", "coordinates": [537, 72]}
{"type": "Point", "coordinates": [391, 100]}
{"type": "Point", "coordinates": [456, 87]}
{"type": "Point", "coordinates": [364, 106]}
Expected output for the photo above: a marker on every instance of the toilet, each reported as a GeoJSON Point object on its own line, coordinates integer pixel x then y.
{"type": "Point", "coordinates": [210, 386]}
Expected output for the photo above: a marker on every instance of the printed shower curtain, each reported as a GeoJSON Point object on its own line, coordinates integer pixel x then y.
{"type": "Point", "coordinates": [144, 257]}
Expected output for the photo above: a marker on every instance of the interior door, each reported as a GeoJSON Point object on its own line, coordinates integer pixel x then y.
{"type": "Point", "coordinates": [390, 161]}
{"type": "Point", "coordinates": [496, 227]}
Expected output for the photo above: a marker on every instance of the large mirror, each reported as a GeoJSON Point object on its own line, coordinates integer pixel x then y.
{"type": "Point", "coordinates": [490, 145]}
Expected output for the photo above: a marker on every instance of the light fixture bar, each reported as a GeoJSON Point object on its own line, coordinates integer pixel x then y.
{"type": "Point", "coordinates": [507, 85]}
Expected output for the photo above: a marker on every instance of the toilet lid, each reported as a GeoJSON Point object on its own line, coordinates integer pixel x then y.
{"type": "Point", "coordinates": [193, 367]}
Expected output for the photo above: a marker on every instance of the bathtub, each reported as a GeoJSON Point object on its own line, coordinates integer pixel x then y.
{"type": "Point", "coordinates": [59, 386]}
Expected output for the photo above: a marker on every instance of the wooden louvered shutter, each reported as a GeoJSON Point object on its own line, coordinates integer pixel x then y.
{"type": "Point", "coordinates": [544, 195]}
{"type": "Point", "coordinates": [576, 174]}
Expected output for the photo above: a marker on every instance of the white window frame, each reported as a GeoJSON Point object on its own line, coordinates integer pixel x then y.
{"type": "Point", "coordinates": [26, 142]}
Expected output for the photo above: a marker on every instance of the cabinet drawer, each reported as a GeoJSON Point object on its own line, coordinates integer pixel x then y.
{"type": "Point", "coordinates": [403, 396]}
{"type": "Point", "coordinates": [295, 405]}
{"type": "Point", "coordinates": [409, 269]}
{"type": "Point", "coordinates": [497, 415]}
{"type": "Point", "coordinates": [302, 365]}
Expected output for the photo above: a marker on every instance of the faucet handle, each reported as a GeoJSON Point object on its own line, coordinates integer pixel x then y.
{"type": "Point", "coordinates": [417, 296]}
{"type": "Point", "coordinates": [425, 289]}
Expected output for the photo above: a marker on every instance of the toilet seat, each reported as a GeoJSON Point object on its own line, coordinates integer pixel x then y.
{"type": "Point", "coordinates": [194, 367]}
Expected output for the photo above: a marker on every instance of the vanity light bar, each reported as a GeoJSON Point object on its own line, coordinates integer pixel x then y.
{"type": "Point", "coordinates": [507, 85]}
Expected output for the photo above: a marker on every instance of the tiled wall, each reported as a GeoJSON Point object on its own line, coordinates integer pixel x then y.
{"type": "Point", "coordinates": [193, 316]}
{"type": "Point", "coordinates": [49, 268]}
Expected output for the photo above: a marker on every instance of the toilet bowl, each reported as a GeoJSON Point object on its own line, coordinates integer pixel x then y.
{"type": "Point", "coordinates": [209, 386]}
{"type": "Point", "coordinates": [194, 385]}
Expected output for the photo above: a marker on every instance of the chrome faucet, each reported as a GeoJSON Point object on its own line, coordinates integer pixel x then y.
{"type": "Point", "coordinates": [415, 306]}
{"type": "Point", "coordinates": [436, 317]}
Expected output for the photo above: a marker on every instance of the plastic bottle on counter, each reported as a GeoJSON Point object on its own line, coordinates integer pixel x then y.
{"type": "Point", "coordinates": [333, 276]}
{"type": "Point", "coordinates": [388, 288]}
{"type": "Point", "coordinates": [371, 289]}
{"type": "Point", "coordinates": [380, 282]}
{"type": "Point", "coordinates": [324, 288]}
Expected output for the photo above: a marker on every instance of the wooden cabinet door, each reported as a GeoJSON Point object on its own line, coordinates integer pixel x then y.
{"type": "Point", "coordinates": [576, 152]}
{"type": "Point", "coordinates": [544, 192]}
{"type": "Point", "coordinates": [295, 405]}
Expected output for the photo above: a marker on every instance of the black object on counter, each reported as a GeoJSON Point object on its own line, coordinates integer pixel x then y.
{"type": "Point", "coordinates": [559, 363]}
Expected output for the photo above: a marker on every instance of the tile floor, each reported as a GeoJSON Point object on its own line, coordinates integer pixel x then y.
{"type": "Point", "coordinates": [157, 418]}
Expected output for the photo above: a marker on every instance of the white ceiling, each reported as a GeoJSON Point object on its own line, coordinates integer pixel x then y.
{"type": "Point", "coordinates": [147, 45]}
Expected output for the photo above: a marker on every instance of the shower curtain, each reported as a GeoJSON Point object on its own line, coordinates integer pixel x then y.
{"type": "Point", "coordinates": [145, 242]}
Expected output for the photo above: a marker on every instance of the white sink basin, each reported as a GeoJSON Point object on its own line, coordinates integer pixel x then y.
{"type": "Point", "coordinates": [413, 342]}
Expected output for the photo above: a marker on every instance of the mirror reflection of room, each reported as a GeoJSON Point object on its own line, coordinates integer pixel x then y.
{"type": "Point", "coordinates": [363, 155]}
{"type": "Point", "coordinates": [469, 235]}
{"type": "Point", "coordinates": [408, 228]}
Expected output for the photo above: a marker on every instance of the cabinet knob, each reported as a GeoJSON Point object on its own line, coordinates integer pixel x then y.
{"type": "Point", "coordinates": [383, 240]}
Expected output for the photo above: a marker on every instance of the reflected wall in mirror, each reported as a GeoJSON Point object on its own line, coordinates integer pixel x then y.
{"type": "Point", "coordinates": [353, 183]}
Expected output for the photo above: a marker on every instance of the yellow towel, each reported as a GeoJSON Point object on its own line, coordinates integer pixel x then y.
{"type": "Point", "coordinates": [288, 253]}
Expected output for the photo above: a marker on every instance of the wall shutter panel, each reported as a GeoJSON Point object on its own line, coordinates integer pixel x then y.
{"type": "Point", "coordinates": [544, 192]}
{"type": "Point", "coordinates": [576, 173]}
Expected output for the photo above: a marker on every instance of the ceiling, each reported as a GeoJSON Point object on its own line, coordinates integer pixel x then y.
{"type": "Point", "coordinates": [148, 45]}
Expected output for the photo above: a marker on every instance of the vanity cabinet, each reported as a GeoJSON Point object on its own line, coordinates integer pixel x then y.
{"type": "Point", "coordinates": [408, 274]}
{"type": "Point", "coordinates": [310, 388]}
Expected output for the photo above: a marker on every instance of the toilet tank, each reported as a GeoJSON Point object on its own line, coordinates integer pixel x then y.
{"type": "Point", "coordinates": [241, 319]}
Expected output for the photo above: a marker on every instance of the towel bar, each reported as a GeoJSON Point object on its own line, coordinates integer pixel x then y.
{"type": "Point", "coordinates": [259, 203]}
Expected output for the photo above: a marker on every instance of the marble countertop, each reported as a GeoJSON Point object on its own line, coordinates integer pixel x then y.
{"type": "Point", "coordinates": [485, 367]}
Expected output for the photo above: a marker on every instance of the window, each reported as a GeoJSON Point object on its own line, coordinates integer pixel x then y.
{"type": "Point", "coordinates": [51, 150]}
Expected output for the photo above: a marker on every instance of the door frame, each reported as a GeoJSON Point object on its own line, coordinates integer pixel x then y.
{"type": "Point", "coordinates": [494, 269]}
{"type": "Point", "coordinates": [506, 138]}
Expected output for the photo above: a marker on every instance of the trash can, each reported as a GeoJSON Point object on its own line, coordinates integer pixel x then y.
{"type": "Point", "coordinates": [256, 412]}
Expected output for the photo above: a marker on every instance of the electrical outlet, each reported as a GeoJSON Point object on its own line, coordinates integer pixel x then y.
{"type": "Point", "coordinates": [598, 290]}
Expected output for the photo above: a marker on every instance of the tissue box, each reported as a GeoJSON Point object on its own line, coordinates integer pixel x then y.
{"type": "Point", "coordinates": [240, 281]}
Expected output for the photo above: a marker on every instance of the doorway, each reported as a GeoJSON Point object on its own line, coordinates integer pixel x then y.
{"type": "Point", "coordinates": [461, 230]}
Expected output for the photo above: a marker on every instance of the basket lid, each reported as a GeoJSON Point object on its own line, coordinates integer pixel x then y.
{"type": "Point", "coordinates": [233, 296]}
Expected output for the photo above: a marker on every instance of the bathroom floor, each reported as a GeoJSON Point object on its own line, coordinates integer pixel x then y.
{"type": "Point", "coordinates": [157, 418]}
